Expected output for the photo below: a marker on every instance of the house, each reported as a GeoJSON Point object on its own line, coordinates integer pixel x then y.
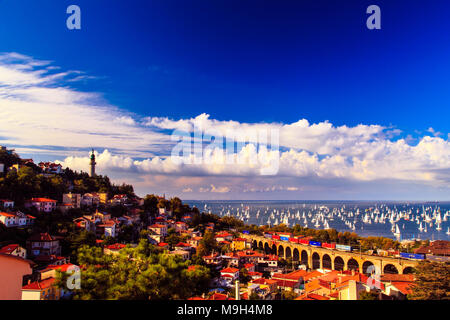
{"type": "Point", "coordinates": [183, 246]}
{"type": "Point", "coordinates": [223, 236]}
{"type": "Point", "coordinates": [155, 239]}
{"type": "Point", "coordinates": [17, 219]}
{"type": "Point", "coordinates": [350, 290]}
{"type": "Point", "coordinates": [14, 250]}
{"type": "Point", "coordinates": [262, 290]}
{"type": "Point", "coordinates": [239, 244]}
{"type": "Point", "coordinates": [43, 244]}
{"type": "Point", "coordinates": [270, 283]}
{"type": "Point", "coordinates": [6, 204]}
{"type": "Point", "coordinates": [50, 271]}
{"type": "Point", "coordinates": [397, 285]}
{"type": "Point", "coordinates": [41, 204]}
{"type": "Point", "coordinates": [119, 199]}
{"type": "Point", "coordinates": [163, 245]}
{"type": "Point", "coordinates": [12, 272]}
{"type": "Point", "coordinates": [399, 290]}
{"type": "Point", "coordinates": [158, 229]}
{"type": "Point", "coordinates": [113, 248]}
{"type": "Point", "coordinates": [255, 275]}
{"type": "Point", "coordinates": [194, 241]}
{"type": "Point", "coordinates": [41, 290]}
{"type": "Point", "coordinates": [94, 199]}
{"type": "Point", "coordinates": [181, 226]}
{"type": "Point", "coordinates": [49, 167]}
{"type": "Point", "coordinates": [86, 223]}
{"type": "Point", "coordinates": [72, 198]}
{"type": "Point", "coordinates": [107, 228]}
{"type": "Point", "coordinates": [213, 259]}
{"type": "Point", "coordinates": [185, 255]}
{"type": "Point", "coordinates": [289, 281]}
{"type": "Point", "coordinates": [436, 248]}
{"type": "Point", "coordinates": [8, 219]}
{"type": "Point", "coordinates": [250, 267]}
{"type": "Point", "coordinates": [230, 274]}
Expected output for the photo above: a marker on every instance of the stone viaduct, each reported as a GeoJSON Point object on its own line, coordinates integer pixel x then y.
{"type": "Point", "coordinates": [324, 258]}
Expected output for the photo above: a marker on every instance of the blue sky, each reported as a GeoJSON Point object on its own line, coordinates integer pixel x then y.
{"type": "Point", "coordinates": [251, 62]}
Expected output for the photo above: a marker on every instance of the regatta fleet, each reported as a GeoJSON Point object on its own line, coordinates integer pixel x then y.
{"type": "Point", "coordinates": [413, 220]}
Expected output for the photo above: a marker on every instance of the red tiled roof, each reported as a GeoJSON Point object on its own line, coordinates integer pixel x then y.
{"type": "Point", "coordinates": [311, 275]}
{"type": "Point", "coordinates": [182, 244]}
{"type": "Point", "coordinates": [39, 285]}
{"type": "Point", "coordinates": [403, 287]}
{"type": "Point", "coordinates": [5, 214]}
{"type": "Point", "coordinates": [396, 277]}
{"type": "Point", "coordinates": [62, 268]}
{"type": "Point", "coordinates": [296, 275]}
{"type": "Point", "coordinates": [312, 296]}
{"type": "Point", "coordinates": [116, 246]}
{"type": "Point", "coordinates": [219, 296]}
{"type": "Point", "coordinates": [9, 248]}
{"type": "Point", "coordinates": [157, 226]}
{"type": "Point", "coordinates": [41, 200]}
{"type": "Point", "coordinates": [229, 270]}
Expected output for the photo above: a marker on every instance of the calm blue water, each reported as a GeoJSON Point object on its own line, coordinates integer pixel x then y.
{"type": "Point", "coordinates": [247, 211]}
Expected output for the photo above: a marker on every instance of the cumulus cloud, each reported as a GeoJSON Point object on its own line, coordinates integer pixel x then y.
{"type": "Point", "coordinates": [41, 113]}
{"type": "Point", "coordinates": [38, 109]}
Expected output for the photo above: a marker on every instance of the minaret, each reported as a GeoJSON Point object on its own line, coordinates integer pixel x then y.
{"type": "Point", "coordinates": [93, 163]}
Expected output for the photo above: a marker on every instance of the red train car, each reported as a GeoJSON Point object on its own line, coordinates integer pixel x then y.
{"type": "Point", "coordinates": [294, 240]}
{"type": "Point", "coordinates": [329, 245]}
{"type": "Point", "coordinates": [304, 241]}
{"type": "Point", "coordinates": [276, 237]}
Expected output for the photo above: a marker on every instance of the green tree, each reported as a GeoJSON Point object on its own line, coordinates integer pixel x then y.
{"type": "Point", "coordinates": [432, 281]}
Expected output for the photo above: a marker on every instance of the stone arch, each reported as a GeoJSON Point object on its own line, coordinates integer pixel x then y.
{"type": "Point", "coordinates": [280, 251]}
{"type": "Point", "coordinates": [254, 244]}
{"type": "Point", "coordinates": [352, 264]}
{"type": "Point", "coordinates": [315, 260]}
{"type": "Point", "coordinates": [326, 262]}
{"type": "Point", "coordinates": [339, 263]}
{"type": "Point", "coordinates": [267, 249]}
{"type": "Point", "coordinates": [390, 268]}
{"type": "Point", "coordinates": [368, 267]}
{"type": "Point", "coordinates": [295, 255]}
{"type": "Point", "coordinates": [261, 245]}
{"type": "Point", "coordinates": [409, 270]}
{"type": "Point", "coordinates": [304, 258]}
{"type": "Point", "coordinates": [288, 252]}
{"type": "Point", "coordinates": [274, 249]}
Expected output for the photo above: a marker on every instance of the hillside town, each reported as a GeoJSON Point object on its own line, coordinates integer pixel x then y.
{"type": "Point", "coordinates": [43, 240]}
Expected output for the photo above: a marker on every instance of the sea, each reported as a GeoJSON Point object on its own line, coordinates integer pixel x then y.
{"type": "Point", "coordinates": [396, 220]}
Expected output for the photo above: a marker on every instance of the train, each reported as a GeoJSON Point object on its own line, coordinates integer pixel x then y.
{"type": "Point", "coordinates": [412, 256]}
{"type": "Point", "coordinates": [340, 247]}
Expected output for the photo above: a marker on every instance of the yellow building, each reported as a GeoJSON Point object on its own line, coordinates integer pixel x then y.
{"type": "Point", "coordinates": [41, 290]}
{"type": "Point", "coordinates": [238, 244]}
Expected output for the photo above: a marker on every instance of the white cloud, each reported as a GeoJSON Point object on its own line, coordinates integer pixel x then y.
{"type": "Point", "coordinates": [40, 113]}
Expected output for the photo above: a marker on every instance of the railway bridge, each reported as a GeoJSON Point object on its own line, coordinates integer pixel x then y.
{"type": "Point", "coordinates": [324, 258]}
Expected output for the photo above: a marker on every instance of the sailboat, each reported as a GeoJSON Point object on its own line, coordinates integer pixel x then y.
{"type": "Point", "coordinates": [397, 231]}
{"type": "Point", "coordinates": [420, 227]}
{"type": "Point", "coordinates": [448, 231]}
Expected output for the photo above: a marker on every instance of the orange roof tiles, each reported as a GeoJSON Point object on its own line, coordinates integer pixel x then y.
{"type": "Point", "coordinates": [39, 285]}
{"type": "Point", "coordinates": [229, 270]}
